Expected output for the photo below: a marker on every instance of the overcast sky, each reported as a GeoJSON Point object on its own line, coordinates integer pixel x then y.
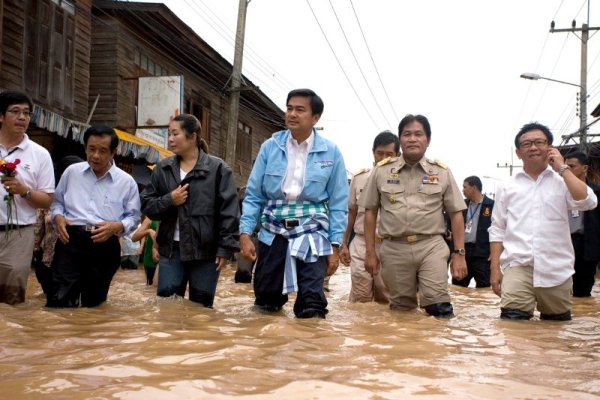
{"type": "Point", "coordinates": [456, 62]}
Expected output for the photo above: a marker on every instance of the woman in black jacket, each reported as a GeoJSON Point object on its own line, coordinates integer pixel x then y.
{"type": "Point", "coordinates": [193, 195]}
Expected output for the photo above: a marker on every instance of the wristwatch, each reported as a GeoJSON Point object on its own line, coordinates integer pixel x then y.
{"type": "Point", "coordinates": [460, 251]}
{"type": "Point", "coordinates": [27, 194]}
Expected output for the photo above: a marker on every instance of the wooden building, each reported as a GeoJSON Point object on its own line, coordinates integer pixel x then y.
{"type": "Point", "coordinates": [45, 52]}
{"type": "Point", "coordinates": [81, 59]}
{"type": "Point", "coordinates": [132, 40]}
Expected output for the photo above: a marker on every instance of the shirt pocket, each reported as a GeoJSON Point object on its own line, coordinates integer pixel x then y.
{"type": "Point", "coordinates": [393, 197]}
{"type": "Point", "coordinates": [315, 184]}
{"type": "Point", "coordinates": [111, 209]}
{"type": "Point", "coordinates": [429, 196]}
{"type": "Point", "coordinates": [555, 208]}
{"type": "Point", "coordinates": [273, 180]}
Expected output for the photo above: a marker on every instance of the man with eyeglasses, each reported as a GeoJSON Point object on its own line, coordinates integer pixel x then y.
{"type": "Point", "coordinates": [531, 252]}
{"type": "Point", "coordinates": [32, 187]}
{"type": "Point", "coordinates": [409, 193]}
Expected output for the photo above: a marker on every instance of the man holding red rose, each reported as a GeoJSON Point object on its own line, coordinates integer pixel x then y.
{"type": "Point", "coordinates": [28, 187]}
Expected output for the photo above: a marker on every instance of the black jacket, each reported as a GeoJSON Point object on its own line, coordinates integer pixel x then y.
{"type": "Point", "coordinates": [482, 239]}
{"type": "Point", "coordinates": [591, 229]}
{"type": "Point", "coordinates": [208, 220]}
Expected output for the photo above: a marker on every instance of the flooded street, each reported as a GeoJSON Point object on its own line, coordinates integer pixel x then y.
{"type": "Point", "coordinates": [135, 347]}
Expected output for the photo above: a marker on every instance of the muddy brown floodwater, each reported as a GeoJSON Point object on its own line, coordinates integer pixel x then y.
{"type": "Point", "coordinates": [137, 347]}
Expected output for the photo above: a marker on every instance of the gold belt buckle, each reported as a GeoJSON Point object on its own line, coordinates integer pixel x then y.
{"type": "Point", "coordinates": [378, 239]}
{"type": "Point", "coordinates": [411, 238]}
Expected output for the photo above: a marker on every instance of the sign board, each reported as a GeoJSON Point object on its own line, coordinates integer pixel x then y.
{"type": "Point", "coordinates": [160, 98]}
{"type": "Point", "coordinates": [157, 136]}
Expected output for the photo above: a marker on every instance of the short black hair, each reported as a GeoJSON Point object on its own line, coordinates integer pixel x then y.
{"type": "Point", "coordinates": [10, 97]}
{"type": "Point", "coordinates": [316, 103]}
{"type": "Point", "coordinates": [474, 181]}
{"type": "Point", "coordinates": [581, 157]}
{"type": "Point", "coordinates": [102, 130]}
{"type": "Point", "coordinates": [385, 138]}
{"type": "Point", "coordinates": [418, 118]}
{"type": "Point", "coordinates": [532, 126]}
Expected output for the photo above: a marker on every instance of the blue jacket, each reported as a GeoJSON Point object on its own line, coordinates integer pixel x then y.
{"type": "Point", "coordinates": [325, 180]}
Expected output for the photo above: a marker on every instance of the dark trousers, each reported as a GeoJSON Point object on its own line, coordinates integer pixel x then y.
{"type": "Point", "coordinates": [585, 270]}
{"type": "Point", "coordinates": [477, 267]}
{"type": "Point", "coordinates": [268, 280]}
{"type": "Point", "coordinates": [82, 270]}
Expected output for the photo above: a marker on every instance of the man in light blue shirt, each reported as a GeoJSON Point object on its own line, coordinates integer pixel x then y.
{"type": "Point", "coordinates": [299, 189]}
{"type": "Point", "coordinates": [94, 203]}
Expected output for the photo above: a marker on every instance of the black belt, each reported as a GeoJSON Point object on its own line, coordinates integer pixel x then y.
{"type": "Point", "coordinates": [82, 228]}
{"type": "Point", "coordinates": [4, 228]}
{"type": "Point", "coordinates": [291, 223]}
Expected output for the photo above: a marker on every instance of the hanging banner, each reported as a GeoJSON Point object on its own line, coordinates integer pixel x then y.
{"type": "Point", "coordinates": [158, 136]}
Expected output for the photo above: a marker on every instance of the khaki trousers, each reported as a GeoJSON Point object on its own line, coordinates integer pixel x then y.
{"type": "Point", "coordinates": [410, 268]}
{"type": "Point", "coordinates": [364, 286]}
{"type": "Point", "coordinates": [518, 293]}
{"type": "Point", "coordinates": [16, 252]}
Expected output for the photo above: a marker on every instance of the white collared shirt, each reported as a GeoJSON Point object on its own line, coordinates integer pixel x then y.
{"type": "Point", "coordinates": [531, 219]}
{"type": "Point", "coordinates": [35, 171]}
{"type": "Point", "coordinates": [297, 155]}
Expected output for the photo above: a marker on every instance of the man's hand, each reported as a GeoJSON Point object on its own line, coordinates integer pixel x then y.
{"type": "Point", "coordinates": [496, 279]}
{"type": "Point", "coordinates": [180, 194]}
{"type": "Point", "coordinates": [13, 186]}
{"type": "Point", "coordinates": [345, 255]}
{"type": "Point", "coordinates": [247, 248]}
{"type": "Point", "coordinates": [61, 224]}
{"type": "Point", "coordinates": [104, 230]}
{"type": "Point", "coordinates": [458, 267]}
{"type": "Point", "coordinates": [371, 263]}
{"type": "Point", "coordinates": [333, 261]}
{"type": "Point", "coordinates": [221, 262]}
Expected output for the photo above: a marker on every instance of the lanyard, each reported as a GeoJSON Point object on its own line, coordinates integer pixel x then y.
{"type": "Point", "coordinates": [10, 152]}
{"type": "Point", "coordinates": [473, 213]}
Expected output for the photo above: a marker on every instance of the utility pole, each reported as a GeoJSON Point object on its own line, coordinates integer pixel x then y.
{"type": "Point", "coordinates": [234, 90]}
{"type": "Point", "coordinates": [511, 165]}
{"type": "Point", "coordinates": [585, 34]}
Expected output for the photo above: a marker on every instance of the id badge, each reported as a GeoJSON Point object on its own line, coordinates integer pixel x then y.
{"type": "Point", "coordinates": [468, 227]}
{"type": "Point", "coordinates": [574, 213]}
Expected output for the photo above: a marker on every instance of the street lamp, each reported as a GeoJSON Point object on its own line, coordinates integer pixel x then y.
{"type": "Point", "coordinates": [582, 104]}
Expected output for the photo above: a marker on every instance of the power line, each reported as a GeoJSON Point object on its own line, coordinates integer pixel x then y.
{"type": "Point", "coordinates": [358, 64]}
{"type": "Point", "coordinates": [373, 62]}
{"type": "Point", "coordinates": [340, 64]}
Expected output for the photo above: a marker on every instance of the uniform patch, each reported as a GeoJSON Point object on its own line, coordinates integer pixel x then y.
{"type": "Point", "coordinates": [486, 212]}
{"type": "Point", "coordinates": [394, 181]}
{"type": "Point", "coordinates": [431, 180]}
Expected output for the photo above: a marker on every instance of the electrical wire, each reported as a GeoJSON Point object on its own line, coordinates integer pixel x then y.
{"type": "Point", "coordinates": [358, 64]}
{"type": "Point", "coordinates": [340, 64]}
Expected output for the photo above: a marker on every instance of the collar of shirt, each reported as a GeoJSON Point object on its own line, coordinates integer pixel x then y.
{"type": "Point", "coordinates": [305, 146]}
{"type": "Point", "coordinates": [23, 145]}
{"type": "Point", "coordinates": [110, 173]}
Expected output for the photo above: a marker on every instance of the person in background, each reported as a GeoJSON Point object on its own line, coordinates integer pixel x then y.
{"type": "Point", "coordinates": [45, 235]}
{"type": "Point", "coordinates": [585, 231]}
{"type": "Point", "coordinates": [193, 195]}
{"type": "Point", "coordinates": [243, 273]}
{"type": "Point", "coordinates": [530, 244]}
{"type": "Point", "coordinates": [478, 218]}
{"type": "Point", "coordinates": [409, 193]}
{"type": "Point", "coordinates": [365, 287]}
{"type": "Point", "coordinates": [94, 204]}
{"type": "Point", "coordinates": [299, 190]}
{"type": "Point", "coordinates": [130, 251]}
{"type": "Point", "coordinates": [147, 233]}
{"type": "Point", "coordinates": [32, 187]}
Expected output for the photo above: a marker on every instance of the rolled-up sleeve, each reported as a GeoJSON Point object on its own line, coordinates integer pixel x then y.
{"type": "Point", "coordinates": [497, 229]}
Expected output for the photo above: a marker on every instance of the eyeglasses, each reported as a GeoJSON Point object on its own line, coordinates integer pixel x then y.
{"type": "Point", "coordinates": [17, 112]}
{"type": "Point", "coordinates": [525, 144]}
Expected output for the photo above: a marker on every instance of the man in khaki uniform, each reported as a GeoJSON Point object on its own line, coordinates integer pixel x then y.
{"type": "Point", "coordinates": [365, 287]}
{"type": "Point", "coordinates": [409, 193]}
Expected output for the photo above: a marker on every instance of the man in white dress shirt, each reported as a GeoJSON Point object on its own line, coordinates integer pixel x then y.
{"type": "Point", "coordinates": [531, 252]}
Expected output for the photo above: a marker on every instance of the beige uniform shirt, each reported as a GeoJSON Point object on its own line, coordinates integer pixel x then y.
{"type": "Point", "coordinates": [356, 187]}
{"type": "Point", "coordinates": [410, 200]}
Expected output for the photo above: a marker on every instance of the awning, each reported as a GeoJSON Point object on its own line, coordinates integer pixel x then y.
{"type": "Point", "coordinates": [130, 145]}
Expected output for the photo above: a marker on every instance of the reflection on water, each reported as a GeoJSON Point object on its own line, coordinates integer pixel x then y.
{"type": "Point", "coordinates": [136, 347]}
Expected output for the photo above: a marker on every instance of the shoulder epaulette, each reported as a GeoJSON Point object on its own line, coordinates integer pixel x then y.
{"type": "Point", "coordinates": [385, 161]}
{"type": "Point", "coordinates": [438, 163]}
{"type": "Point", "coordinates": [361, 171]}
